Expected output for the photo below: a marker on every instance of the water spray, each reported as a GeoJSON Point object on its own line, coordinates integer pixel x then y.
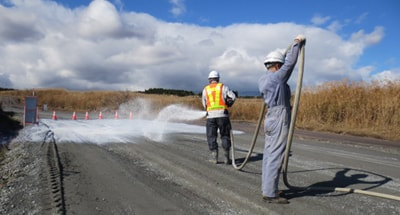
{"type": "Point", "coordinates": [144, 124]}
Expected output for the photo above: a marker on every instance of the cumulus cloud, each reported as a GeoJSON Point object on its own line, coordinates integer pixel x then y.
{"type": "Point", "coordinates": [43, 44]}
{"type": "Point", "coordinates": [18, 26]}
{"type": "Point", "coordinates": [386, 75]}
{"type": "Point", "coordinates": [100, 18]}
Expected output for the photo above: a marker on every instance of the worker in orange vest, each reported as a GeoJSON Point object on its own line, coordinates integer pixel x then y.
{"type": "Point", "coordinates": [216, 98]}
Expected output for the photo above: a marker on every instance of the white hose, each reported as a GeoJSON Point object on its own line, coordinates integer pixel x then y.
{"type": "Point", "coordinates": [253, 142]}
{"type": "Point", "coordinates": [289, 144]}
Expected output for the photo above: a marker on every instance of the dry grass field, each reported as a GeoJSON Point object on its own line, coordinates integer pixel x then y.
{"type": "Point", "coordinates": [366, 109]}
{"type": "Point", "coordinates": [357, 108]}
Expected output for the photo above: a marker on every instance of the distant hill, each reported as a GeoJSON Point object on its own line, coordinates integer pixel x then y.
{"type": "Point", "coordinates": [5, 89]}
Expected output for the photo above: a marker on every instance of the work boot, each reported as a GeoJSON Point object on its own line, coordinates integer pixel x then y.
{"type": "Point", "coordinates": [214, 157]}
{"type": "Point", "coordinates": [227, 161]}
{"type": "Point", "coordinates": [275, 200]}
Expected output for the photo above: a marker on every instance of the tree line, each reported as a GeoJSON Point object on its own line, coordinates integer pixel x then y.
{"type": "Point", "coordinates": [169, 92]}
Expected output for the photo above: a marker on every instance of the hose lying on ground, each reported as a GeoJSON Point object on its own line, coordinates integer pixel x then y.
{"type": "Point", "coordinates": [289, 143]}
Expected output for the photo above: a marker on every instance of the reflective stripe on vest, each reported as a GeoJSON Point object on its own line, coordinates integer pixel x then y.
{"type": "Point", "coordinates": [215, 101]}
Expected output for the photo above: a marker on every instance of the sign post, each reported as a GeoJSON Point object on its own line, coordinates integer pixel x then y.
{"type": "Point", "coordinates": [30, 110]}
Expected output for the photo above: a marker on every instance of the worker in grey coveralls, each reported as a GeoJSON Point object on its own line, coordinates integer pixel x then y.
{"type": "Point", "coordinates": [216, 98]}
{"type": "Point", "coordinates": [276, 92]}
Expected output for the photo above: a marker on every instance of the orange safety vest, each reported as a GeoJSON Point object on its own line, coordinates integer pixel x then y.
{"type": "Point", "coordinates": [214, 97]}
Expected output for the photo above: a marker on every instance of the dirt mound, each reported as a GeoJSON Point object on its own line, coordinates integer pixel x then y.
{"type": "Point", "coordinates": [7, 123]}
{"type": "Point", "coordinates": [9, 128]}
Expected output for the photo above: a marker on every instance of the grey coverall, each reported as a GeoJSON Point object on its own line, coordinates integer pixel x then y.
{"type": "Point", "coordinates": [276, 93]}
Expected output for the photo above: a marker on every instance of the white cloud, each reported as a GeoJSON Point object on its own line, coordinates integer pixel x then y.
{"type": "Point", "coordinates": [386, 75]}
{"type": "Point", "coordinates": [48, 45]}
{"type": "Point", "coordinates": [16, 25]}
{"type": "Point", "coordinates": [319, 20]}
{"type": "Point", "coordinates": [361, 18]}
{"type": "Point", "coordinates": [335, 26]}
{"type": "Point", "coordinates": [100, 19]}
{"type": "Point", "coordinates": [178, 7]}
{"type": "Point", "coordinates": [369, 39]}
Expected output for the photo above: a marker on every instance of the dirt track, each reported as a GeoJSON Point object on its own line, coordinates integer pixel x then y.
{"type": "Point", "coordinates": [174, 177]}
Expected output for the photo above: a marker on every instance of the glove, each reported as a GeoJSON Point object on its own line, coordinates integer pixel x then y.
{"type": "Point", "coordinates": [300, 38]}
{"type": "Point", "coordinates": [236, 93]}
{"type": "Point", "coordinates": [229, 101]}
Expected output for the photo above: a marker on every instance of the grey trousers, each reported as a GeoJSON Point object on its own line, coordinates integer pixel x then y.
{"type": "Point", "coordinates": [223, 125]}
{"type": "Point", "coordinates": [276, 130]}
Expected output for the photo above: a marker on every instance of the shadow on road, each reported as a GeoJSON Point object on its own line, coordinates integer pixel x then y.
{"type": "Point", "coordinates": [254, 158]}
{"type": "Point", "coordinates": [327, 188]}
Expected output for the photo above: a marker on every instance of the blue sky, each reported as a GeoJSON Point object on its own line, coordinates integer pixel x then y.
{"type": "Point", "coordinates": [135, 45]}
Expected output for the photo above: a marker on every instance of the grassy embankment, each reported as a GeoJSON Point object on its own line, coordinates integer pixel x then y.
{"type": "Point", "coordinates": [357, 108]}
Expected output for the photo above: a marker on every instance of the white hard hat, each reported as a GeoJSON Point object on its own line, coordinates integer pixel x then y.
{"type": "Point", "coordinates": [275, 56]}
{"type": "Point", "coordinates": [213, 74]}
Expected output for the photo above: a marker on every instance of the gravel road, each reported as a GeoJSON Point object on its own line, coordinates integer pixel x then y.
{"type": "Point", "coordinates": [173, 176]}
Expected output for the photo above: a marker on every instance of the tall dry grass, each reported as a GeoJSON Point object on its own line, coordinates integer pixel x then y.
{"type": "Point", "coordinates": [359, 108]}
{"type": "Point", "coordinates": [367, 109]}
{"type": "Point", "coordinates": [64, 100]}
